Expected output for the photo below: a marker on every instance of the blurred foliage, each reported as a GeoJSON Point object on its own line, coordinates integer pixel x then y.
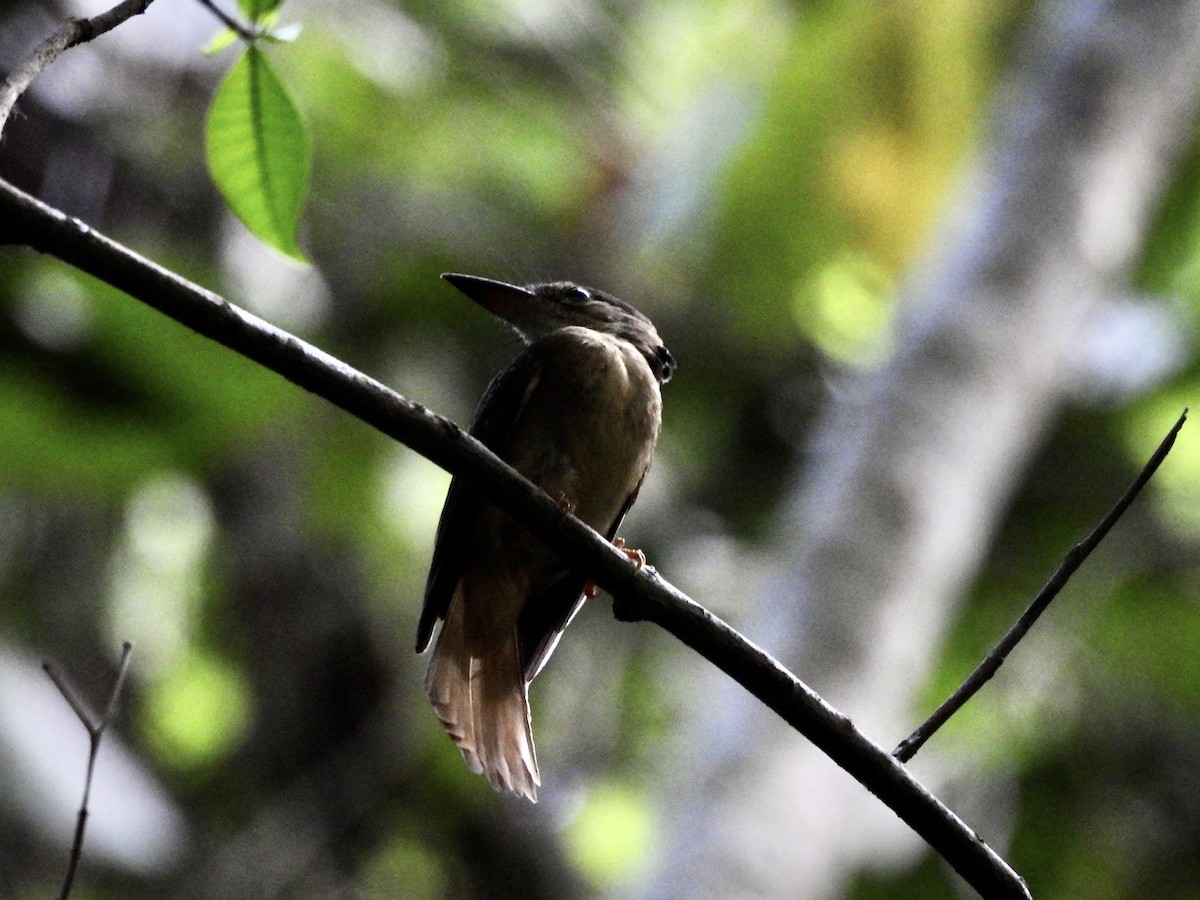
{"type": "Point", "coordinates": [612, 835]}
{"type": "Point", "coordinates": [756, 176]}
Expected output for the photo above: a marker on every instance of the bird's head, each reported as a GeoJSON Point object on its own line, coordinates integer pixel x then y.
{"type": "Point", "coordinates": [537, 310]}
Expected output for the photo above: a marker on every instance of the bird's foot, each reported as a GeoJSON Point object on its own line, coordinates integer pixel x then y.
{"type": "Point", "coordinates": [564, 501]}
{"type": "Point", "coordinates": [591, 589]}
{"type": "Point", "coordinates": [632, 552]}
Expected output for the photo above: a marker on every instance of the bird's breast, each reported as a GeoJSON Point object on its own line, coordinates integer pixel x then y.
{"type": "Point", "coordinates": [591, 423]}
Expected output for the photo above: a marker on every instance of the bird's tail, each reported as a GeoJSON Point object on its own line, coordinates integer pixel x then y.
{"type": "Point", "coordinates": [483, 704]}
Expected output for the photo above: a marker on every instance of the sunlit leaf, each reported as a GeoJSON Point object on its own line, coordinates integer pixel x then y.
{"type": "Point", "coordinates": [258, 151]}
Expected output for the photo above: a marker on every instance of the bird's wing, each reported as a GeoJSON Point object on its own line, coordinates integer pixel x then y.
{"type": "Point", "coordinates": [547, 615]}
{"type": "Point", "coordinates": [495, 418]}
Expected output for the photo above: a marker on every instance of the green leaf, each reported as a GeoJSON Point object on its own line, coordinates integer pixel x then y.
{"type": "Point", "coordinates": [219, 42]}
{"type": "Point", "coordinates": [258, 151]}
{"type": "Point", "coordinates": [256, 10]}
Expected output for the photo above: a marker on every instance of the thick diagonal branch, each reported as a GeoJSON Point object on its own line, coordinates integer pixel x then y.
{"type": "Point", "coordinates": [639, 595]}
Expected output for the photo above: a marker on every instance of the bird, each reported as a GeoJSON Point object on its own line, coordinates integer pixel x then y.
{"type": "Point", "coordinates": [578, 413]}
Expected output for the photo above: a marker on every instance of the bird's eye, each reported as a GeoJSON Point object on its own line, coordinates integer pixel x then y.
{"type": "Point", "coordinates": [578, 294]}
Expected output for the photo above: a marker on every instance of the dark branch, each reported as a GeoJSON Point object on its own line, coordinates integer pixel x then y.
{"type": "Point", "coordinates": [70, 34]}
{"type": "Point", "coordinates": [95, 730]}
{"type": "Point", "coordinates": [248, 35]}
{"type": "Point", "coordinates": [991, 663]}
{"type": "Point", "coordinates": [638, 595]}
{"type": "Point", "coordinates": [832, 732]}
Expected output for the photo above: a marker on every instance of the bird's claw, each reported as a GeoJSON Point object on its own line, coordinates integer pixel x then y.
{"type": "Point", "coordinates": [591, 589]}
{"type": "Point", "coordinates": [638, 557]}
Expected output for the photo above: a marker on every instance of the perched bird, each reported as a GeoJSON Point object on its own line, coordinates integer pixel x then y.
{"type": "Point", "coordinates": [578, 413]}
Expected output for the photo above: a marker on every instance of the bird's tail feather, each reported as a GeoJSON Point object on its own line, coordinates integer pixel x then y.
{"type": "Point", "coordinates": [483, 704]}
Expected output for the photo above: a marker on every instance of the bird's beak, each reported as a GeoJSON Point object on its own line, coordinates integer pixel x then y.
{"type": "Point", "coordinates": [496, 297]}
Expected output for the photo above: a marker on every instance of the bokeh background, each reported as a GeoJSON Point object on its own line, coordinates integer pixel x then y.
{"type": "Point", "coordinates": [929, 270]}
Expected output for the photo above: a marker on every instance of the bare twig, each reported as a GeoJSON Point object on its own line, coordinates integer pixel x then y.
{"type": "Point", "coordinates": [70, 34]}
{"type": "Point", "coordinates": [638, 595]}
{"type": "Point", "coordinates": [95, 730]}
{"type": "Point", "coordinates": [988, 667]}
{"type": "Point", "coordinates": [248, 35]}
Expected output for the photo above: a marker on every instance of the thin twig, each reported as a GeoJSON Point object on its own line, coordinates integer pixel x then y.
{"type": "Point", "coordinates": [95, 730]}
{"type": "Point", "coordinates": [638, 595]}
{"type": "Point", "coordinates": [68, 692]}
{"type": "Point", "coordinates": [70, 34]}
{"type": "Point", "coordinates": [248, 35]}
{"type": "Point", "coordinates": [988, 667]}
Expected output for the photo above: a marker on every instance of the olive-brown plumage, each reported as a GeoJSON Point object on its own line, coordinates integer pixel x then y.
{"type": "Point", "coordinates": [578, 413]}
